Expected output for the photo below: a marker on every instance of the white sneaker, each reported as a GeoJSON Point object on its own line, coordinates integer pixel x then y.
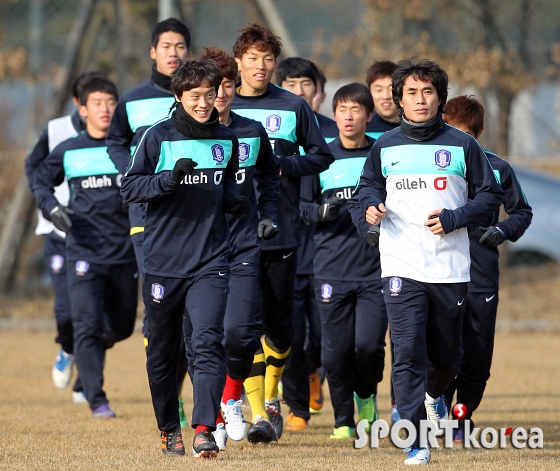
{"type": "Point", "coordinates": [235, 422]}
{"type": "Point", "coordinates": [79, 397]}
{"type": "Point", "coordinates": [437, 412]}
{"type": "Point", "coordinates": [62, 369]}
{"type": "Point", "coordinates": [220, 436]}
{"type": "Point", "coordinates": [417, 455]}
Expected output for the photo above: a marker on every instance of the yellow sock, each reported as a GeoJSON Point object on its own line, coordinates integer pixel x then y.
{"type": "Point", "coordinates": [254, 386]}
{"type": "Point", "coordinates": [275, 361]}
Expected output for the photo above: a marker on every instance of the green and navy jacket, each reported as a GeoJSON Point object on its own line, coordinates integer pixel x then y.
{"type": "Point", "coordinates": [259, 173]}
{"type": "Point", "coordinates": [378, 126]}
{"type": "Point", "coordinates": [340, 252]}
{"type": "Point", "coordinates": [186, 230]}
{"type": "Point", "coordinates": [100, 219]}
{"type": "Point", "coordinates": [484, 259]}
{"type": "Point", "coordinates": [413, 178]}
{"type": "Point", "coordinates": [290, 124]}
{"type": "Point", "coordinates": [308, 184]}
{"type": "Point", "coordinates": [137, 110]}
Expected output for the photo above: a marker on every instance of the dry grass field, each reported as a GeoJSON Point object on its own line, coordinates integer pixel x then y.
{"type": "Point", "coordinates": [41, 429]}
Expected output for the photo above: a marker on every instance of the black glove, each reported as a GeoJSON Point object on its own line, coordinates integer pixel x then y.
{"type": "Point", "coordinates": [183, 167]}
{"type": "Point", "coordinates": [267, 228]}
{"type": "Point", "coordinates": [330, 209]}
{"type": "Point", "coordinates": [373, 235]}
{"type": "Point", "coordinates": [239, 207]}
{"type": "Point", "coordinates": [60, 219]}
{"type": "Point", "coordinates": [492, 236]}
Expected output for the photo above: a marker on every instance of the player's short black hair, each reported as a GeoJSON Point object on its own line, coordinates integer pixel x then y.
{"type": "Point", "coordinates": [84, 78]}
{"type": "Point", "coordinates": [355, 92]}
{"type": "Point", "coordinates": [174, 25]}
{"type": "Point", "coordinates": [194, 73]}
{"type": "Point", "coordinates": [296, 67]}
{"type": "Point", "coordinates": [99, 84]}
{"type": "Point", "coordinates": [424, 70]}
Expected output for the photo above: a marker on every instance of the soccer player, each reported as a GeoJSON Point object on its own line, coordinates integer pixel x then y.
{"type": "Point", "coordinates": [425, 182]}
{"type": "Point", "coordinates": [347, 274]}
{"type": "Point", "coordinates": [301, 77]}
{"type": "Point", "coordinates": [186, 270]}
{"type": "Point", "coordinates": [138, 109]}
{"type": "Point", "coordinates": [479, 324]}
{"type": "Point", "coordinates": [57, 131]}
{"type": "Point", "coordinates": [289, 123]}
{"type": "Point", "coordinates": [102, 275]}
{"type": "Point", "coordinates": [259, 170]}
{"type": "Point", "coordinates": [386, 116]}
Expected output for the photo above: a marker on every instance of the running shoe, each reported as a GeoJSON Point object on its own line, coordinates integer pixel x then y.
{"type": "Point", "coordinates": [62, 369]}
{"type": "Point", "coordinates": [172, 443]}
{"type": "Point", "coordinates": [233, 417]}
{"type": "Point", "coordinates": [79, 397]}
{"type": "Point", "coordinates": [220, 437]}
{"type": "Point", "coordinates": [417, 455]}
{"type": "Point", "coordinates": [295, 423]}
{"type": "Point", "coordinates": [261, 431]}
{"type": "Point", "coordinates": [103, 412]}
{"type": "Point", "coordinates": [275, 416]}
{"type": "Point", "coordinates": [367, 409]}
{"type": "Point", "coordinates": [437, 412]}
{"type": "Point", "coordinates": [315, 393]}
{"type": "Point", "coordinates": [343, 432]}
{"type": "Point", "coordinates": [204, 445]}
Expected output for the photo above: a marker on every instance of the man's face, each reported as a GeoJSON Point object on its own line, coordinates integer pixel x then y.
{"type": "Point", "coordinates": [98, 110]}
{"type": "Point", "coordinates": [301, 86]}
{"type": "Point", "coordinates": [225, 95]}
{"type": "Point", "coordinates": [351, 119]}
{"type": "Point", "coordinates": [419, 100]}
{"type": "Point", "coordinates": [170, 49]}
{"type": "Point", "coordinates": [199, 102]}
{"type": "Point", "coordinates": [256, 68]}
{"type": "Point", "coordinates": [382, 94]}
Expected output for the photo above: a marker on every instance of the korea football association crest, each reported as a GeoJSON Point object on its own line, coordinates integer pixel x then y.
{"type": "Point", "coordinates": [273, 123]}
{"type": "Point", "coordinates": [326, 292]}
{"type": "Point", "coordinates": [82, 267]}
{"type": "Point", "coordinates": [395, 285]}
{"type": "Point", "coordinates": [443, 159]}
{"type": "Point", "coordinates": [244, 150]}
{"type": "Point", "coordinates": [57, 262]}
{"type": "Point", "coordinates": [157, 292]}
{"type": "Point", "coordinates": [218, 153]}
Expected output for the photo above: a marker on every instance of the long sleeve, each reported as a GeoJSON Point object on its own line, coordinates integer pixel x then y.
{"type": "Point", "coordinates": [267, 176]}
{"type": "Point", "coordinates": [230, 180]}
{"type": "Point", "coordinates": [49, 174]}
{"type": "Point", "coordinates": [484, 192]}
{"type": "Point", "coordinates": [318, 156]}
{"type": "Point", "coordinates": [37, 155]}
{"type": "Point", "coordinates": [140, 184]}
{"type": "Point", "coordinates": [357, 215]}
{"type": "Point", "coordinates": [372, 182]}
{"type": "Point", "coordinates": [119, 138]}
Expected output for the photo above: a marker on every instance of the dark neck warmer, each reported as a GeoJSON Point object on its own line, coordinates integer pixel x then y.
{"type": "Point", "coordinates": [422, 131]}
{"type": "Point", "coordinates": [190, 127]}
{"type": "Point", "coordinates": [162, 81]}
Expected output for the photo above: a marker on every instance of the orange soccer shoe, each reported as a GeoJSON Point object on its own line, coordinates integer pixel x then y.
{"type": "Point", "coordinates": [295, 423]}
{"type": "Point", "coordinates": [315, 393]}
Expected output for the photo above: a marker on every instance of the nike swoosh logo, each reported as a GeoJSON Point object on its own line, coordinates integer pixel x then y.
{"type": "Point", "coordinates": [142, 115]}
{"type": "Point", "coordinates": [177, 158]}
{"type": "Point", "coordinates": [286, 256]}
{"type": "Point", "coordinates": [245, 263]}
{"type": "Point", "coordinates": [319, 400]}
{"type": "Point", "coordinates": [274, 225]}
{"type": "Point", "coordinates": [460, 303]}
{"type": "Point", "coordinates": [395, 163]}
{"type": "Point", "coordinates": [336, 177]}
{"type": "Point", "coordinates": [490, 298]}
{"type": "Point", "coordinates": [81, 165]}
{"type": "Point", "coordinates": [221, 274]}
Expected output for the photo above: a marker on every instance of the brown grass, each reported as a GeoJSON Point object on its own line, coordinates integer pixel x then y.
{"type": "Point", "coordinates": [41, 429]}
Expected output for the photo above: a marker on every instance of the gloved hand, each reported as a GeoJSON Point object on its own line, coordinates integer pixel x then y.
{"type": "Point", "coordinates": [182, 168]}
{"type": "Point", "coordinates": [60, 219]}
{"type": "Point", "coordinates": [373, 235]}
{"type": "Point", "coordinates": [330, 209]}
{"type": "Point", "coordinates": [267, 228]}
{"type": "Point", "coordinates": [238, 206]}
{"type": "Point", "coordinates": [492, 236]}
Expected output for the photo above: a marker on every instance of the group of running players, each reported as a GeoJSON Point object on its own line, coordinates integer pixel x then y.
{"type": "Point", "coordinates": [273, 243]}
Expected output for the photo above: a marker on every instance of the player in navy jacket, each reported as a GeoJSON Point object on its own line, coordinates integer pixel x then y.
{"type": "Point", "coordinates": [102, 275]}
{"type": "Point", "coordinates": [57, 131]}
{"type": "Point", "coordinates": [467, 114]}
{"type": "Point", "coordinates": [347, 271]}
{"type": "Point", "coordinates": [386, 116]}
{"type": "Point", "coordinates": [301, 77]}
{"type": "Point", "coordinates": [259, 173]}
{"type": "Point", "coordinates": [425, 182]}
{"type": "Point", "coordinates": [186, 247]}
{"type": "Point", "coordinates": [290, 124]}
